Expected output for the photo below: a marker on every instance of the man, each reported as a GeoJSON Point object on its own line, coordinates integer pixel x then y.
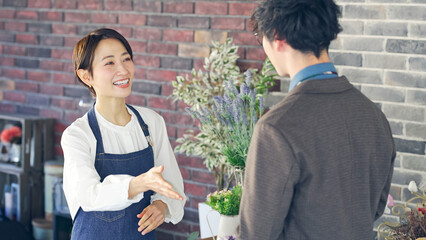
{"type": "Point", "coordinates": [320, 162]}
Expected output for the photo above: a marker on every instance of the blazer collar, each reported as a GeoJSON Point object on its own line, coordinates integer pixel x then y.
{"type": "Point", "coordinates": [331, 85]}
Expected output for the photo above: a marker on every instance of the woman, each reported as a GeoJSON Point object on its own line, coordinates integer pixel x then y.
{"type": "Point", "coordinates": [117, 155]}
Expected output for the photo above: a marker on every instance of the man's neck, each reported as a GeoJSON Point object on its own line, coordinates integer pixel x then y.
{"type": "Point", "coordinates": [302, 60]}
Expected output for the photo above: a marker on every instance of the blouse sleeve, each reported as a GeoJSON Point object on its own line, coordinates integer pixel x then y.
{"type": "Point", "coordinates": [164, 156]}
{"type": "Point", "coordinates": [82, 185]}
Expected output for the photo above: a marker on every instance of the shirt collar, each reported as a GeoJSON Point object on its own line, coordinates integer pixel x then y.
{"type": "Point", "coordinates": [311, 73]}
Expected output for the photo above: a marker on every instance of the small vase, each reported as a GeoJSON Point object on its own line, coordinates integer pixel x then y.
{"type": "Point", "coordinates": [228, 225]}
{"type": "Point", "coordinates": [239, 175]}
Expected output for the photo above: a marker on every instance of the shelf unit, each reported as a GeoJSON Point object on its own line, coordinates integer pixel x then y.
{"type": "Point", "coordinates": [36, 148]}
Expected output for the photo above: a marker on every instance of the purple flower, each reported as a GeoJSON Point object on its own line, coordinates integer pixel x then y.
{"type": "Point", "coordinates": [244, 89]}
{"type": "Point", "coordinates": [261, 107]}
{"type": "Point", "coordinates": [248, 77]}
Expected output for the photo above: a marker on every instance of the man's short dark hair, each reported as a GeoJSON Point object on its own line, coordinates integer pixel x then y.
{"type": "Point", "coordinates": [307, 25]}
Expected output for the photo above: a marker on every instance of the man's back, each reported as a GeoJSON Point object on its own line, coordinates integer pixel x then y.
{"type": "Point", "coordinates": [332, 151]}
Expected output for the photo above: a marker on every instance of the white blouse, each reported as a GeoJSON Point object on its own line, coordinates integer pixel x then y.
{"type": "Point", "coordinates": [82, 185]}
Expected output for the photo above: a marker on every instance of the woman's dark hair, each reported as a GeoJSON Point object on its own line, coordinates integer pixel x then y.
{"type": "Point", "coordinates": [307, 25]}
{"type": "Point", "coordinates": [84, 50]}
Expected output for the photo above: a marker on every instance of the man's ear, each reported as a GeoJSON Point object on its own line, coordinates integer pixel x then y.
{"type": "Point", "coordinates": [280, 45]}
{"type": "Point", "coordinates": [84, 75]}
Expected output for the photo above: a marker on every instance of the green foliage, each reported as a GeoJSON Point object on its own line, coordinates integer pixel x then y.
{"type": "Point", "coordinates": [193, 236]}
{"type": "Point", "coordinates": [226, 202]}
{"type": "Point", "coordinates": [198, 90]}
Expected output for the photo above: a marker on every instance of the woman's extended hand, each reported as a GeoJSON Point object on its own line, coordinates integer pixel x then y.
{"type": "Point", "coordinates": [152, 180]}
{"type": "Point", "coordinates": [152, 216]}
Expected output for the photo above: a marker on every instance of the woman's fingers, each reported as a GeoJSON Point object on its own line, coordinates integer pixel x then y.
{"type": "Point", "coordinates": [151, 218]}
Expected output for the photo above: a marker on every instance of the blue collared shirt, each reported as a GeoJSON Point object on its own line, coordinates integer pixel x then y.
{"type": "Point", "coordinates": [317, 71]}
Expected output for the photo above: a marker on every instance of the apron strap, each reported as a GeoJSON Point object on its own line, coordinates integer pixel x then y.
{"type": "Point", "coordinates": [93, 122]}
{"type": "Point", "coordinates": [143, 125]}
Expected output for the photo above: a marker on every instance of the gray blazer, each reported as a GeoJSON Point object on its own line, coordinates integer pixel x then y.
{"type": "Point", "coordinates": [319, 166]}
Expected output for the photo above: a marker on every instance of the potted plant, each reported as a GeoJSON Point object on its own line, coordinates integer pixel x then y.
{"type": "Point", "coordinates": [412, 214]}
{"type": "Point", "coordinates": [227, 203]}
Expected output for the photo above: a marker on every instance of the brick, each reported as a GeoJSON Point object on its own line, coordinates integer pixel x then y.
{"type": "Point", "coordinates": [51, 65]}
{"type": "Point", "coordinates": [161, 75]}
{"type": "Point", "coordinates": [161, 103]}
{"type": "Point", "coordinates": [136, 100]}
{"type": "Point", "coordinates": [189, 50]}
{"type": "Point", "coordinates": [15, 26]}
{"type": "Point", "coordinates": [14, 96]}
{"type": "Point", "coordinates": [147, 6]}
{"type": "Point", "coordinates": [90, 4]}
{"type": "Point", "coordinates": [181, 227]}
{"type": "Point", "coordinates": [202, 36]}
{"type": "Point", "coordinates": [244, 9]}
{"type": "Point", "coordinates": [15, 3]}
{"type": "Point", "coordinates": [415, 130]}
{"type": "Point", "coordinates": [7, 37]}
{"type": "Point", "coordinates": [37, 99]}
{"type": "Point", "coordinates": [104, 18]}
{"type": "Point", "coordinates": [244, 65]}
{"type": "Point", "coordinates": [243, 38]}
{"type": "Point", "coordinates": [173, 35]}
{"type": "Point", "coordinates": [38, 52]}
{"type": "Point", "coordinates": [162, 21]}
{"type": "Point", "coordinates": [403, 112]}
{"type": "Point", "coordinates": [365, 11]}
{"type": "Point", "coordinates": [193, 22]}
{"type": "Point", "coordinates": [138, 47]}
{"type": "Point", "coordinates": [72, 116]}
{"type": "Point", "coordinates": [346, 59]}
{"type": "Point", "coordinates": [146, 61]}
{"type": "Point", "coordinates": [39, 4]}
{"type": "Point", "coordinates": [76, 92]}
{"type": "Point", "coordinates": [51, 40]}
{"type": "Point", "coordinates": [166, 90]}
{"type": "Point", "coordinates": [71, 41]}
{"type": "Point", "coordinates": [27, 110]}
{"type": "Point", "coordinates": [26, 87]}
{"type": "Point", "coordinates": [255, 54]}
{"type": "Point", "coordinates": [64, 29]}
{"type": "Point", "coordinates": [63, 103]}
{"type": "Point", "coordinates": [53, 90]}
{"type": "Point", "coordinates": [228, 23]}
{"type": "Point", "coordinates": [7, 108]}
{"type": "Point", "coordinates": [140, 73]}
{"type": "Point", "coordinates": [178, 7]}
{"type": "Point", "coordinates": [363, 75]}
{"type": "Point", "coordinates": [7, 14]}
{"type": "Point", "coordinates": [417, 97]}
{"type": "Point", "coordinates": [406, 12]}
{"type": "Point", "coordinates": [363, 44]}
{"type": "Point", "coordinates": [7, 61]}
{"type": "Point", "coordinates": [51, 113]}
{"type": "Point", "coordinates": [417, 30]}
{"type": "Point", "coordinates": [211, 8]}
{"type": "Point", "coordinates": [26, 38]}
{"type": "Point", "coordinates": [379, 93]}
{"type": "Point", "coordinates": [14, 73]}
{"type": "Point", "coordinates": [352, 27]}
{"type": "Point", "coordinates": [195, 189]}
{"type": "Point", "coordinates": [404, 177]}
{"type": "Point", "coordinates": [410, 146]}
{"type": "Point", "coordinates": [177, 118]}
{"type": "Point", "coordinates": [203, 177]}
{"type": "Point", "coordinates": [396, 127]}
{"type": "Point", "coordinates": [385, 61]}
{"type": "Point", "coordinates": [118, 5]}
{"type": "Point", "coordinates": [74, 17]}
{"type": "Point", "coordinates": [417, 63]}
{"type": "Point", "coordinates": [14, 50]}
{"type": "Point", "coordinates": [52, 16]}
{"type": "Point", "coordinates": [405, 79]}
{"type": "Point", "coordinates": [171, 131]}
{"type": "Point", "coordinates": [38, 76]}
{"type": "Point", "coordinates": [406, 46]}
{"type": "Point", "coordinates": [146, 87]}
{"type": "Point", "coordinates": [29, 15]}
{"type": "Point", "coordinates": [148, 34]}
{"type": "Point", "coordinates": [127, 32]}
{"type": "Point", "coordinates": [414, 162]}
{"type": "Point", "coordinates": [63, 78]}
{"type": "Point", "coordinates": [39, 28]}
{"type": "Point", "coordinates": [27, 63]}
{"type": "Point", "coordinates": [132, 19]}
{"type": "Point", "coordinates": [176, 63]}
{"type": "Point", "coordinates": [7, 84]}
{"type": "Point", "coordinates": [386, 29]}
{"type": "Point", "coordinates": [67, 4]}
{"type": "Point", "coordinates": [62, 53]}
{"type": "Point", "coordinates": [162, 48]}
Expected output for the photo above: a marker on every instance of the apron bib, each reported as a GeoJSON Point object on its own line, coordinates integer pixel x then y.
{"type": "Point", "coordinates": [122, 224]}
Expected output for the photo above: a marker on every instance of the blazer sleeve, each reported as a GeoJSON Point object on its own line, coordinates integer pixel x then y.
{"type": "Point", "coordinates": [271, 174]}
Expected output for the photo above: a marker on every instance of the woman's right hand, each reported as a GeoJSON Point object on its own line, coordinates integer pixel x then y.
{"type": "Point", "coordinates": [152, 180]}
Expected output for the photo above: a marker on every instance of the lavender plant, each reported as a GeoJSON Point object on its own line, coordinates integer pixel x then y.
{"type": "Point", "coordinates": [237, 110]}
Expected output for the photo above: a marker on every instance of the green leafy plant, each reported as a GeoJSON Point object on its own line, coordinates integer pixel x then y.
{"type": "Point", "coordinates": [198, 90]}
{"type": "Point", "coordinates": [226, 202]}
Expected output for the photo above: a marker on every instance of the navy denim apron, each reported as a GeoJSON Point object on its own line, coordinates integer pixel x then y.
{"type": "Point", "coordinates": [123, 224]}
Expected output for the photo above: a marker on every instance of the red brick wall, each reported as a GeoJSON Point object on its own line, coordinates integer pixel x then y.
{"type": "Point", "coordinates": [169, 38]}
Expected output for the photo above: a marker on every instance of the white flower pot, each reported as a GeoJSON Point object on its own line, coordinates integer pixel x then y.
{"type": "Point", "coordinates": [209, 220]}
{"type": "Point", "coordinates": [228, 225]}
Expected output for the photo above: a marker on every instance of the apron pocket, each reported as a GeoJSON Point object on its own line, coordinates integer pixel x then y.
{"type": "Point", "coordinates": [110, 216]}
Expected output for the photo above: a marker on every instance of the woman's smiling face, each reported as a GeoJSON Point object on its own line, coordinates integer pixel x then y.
{"type": "Point", "coordinates": [112, 70]}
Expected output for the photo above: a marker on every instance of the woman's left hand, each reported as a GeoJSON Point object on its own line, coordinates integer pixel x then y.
{"type": "Point", "coordinates": [152, 216]}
